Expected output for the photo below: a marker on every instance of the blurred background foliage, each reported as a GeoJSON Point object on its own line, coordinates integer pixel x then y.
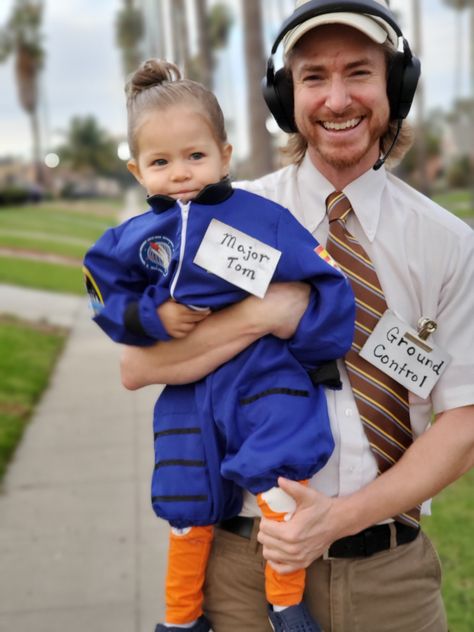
{"type": "Point", "coordinates": [192, 33]}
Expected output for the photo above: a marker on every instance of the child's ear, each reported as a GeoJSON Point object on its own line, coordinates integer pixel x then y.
{"type": "Point", "coordinates": [226, 154]}
{"type": "Point", "coordinates": [134, 170]}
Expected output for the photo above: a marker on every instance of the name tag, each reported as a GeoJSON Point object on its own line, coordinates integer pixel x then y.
{"type": "Point", "coordinates": [395, 348]}
{"type": "Point", "coordinates": [237, 257]}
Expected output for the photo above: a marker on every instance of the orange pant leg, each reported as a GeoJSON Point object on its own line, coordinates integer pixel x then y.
{"type": "Point", "coordinates": [187, 561]}
{"type": "Point", "coordinates": [281, 590]}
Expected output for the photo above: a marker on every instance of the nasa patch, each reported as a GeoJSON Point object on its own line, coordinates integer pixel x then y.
{"type": "Point", "coordinates": [156, 253]}
{"type": "Point", "coordinates": [96, 302]}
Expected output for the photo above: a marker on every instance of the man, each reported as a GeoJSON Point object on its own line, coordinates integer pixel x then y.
{"type": "Point", "coordinates": [360, 577]}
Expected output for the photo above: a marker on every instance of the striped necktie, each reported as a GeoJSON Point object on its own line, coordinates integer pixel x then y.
{"type": "Point", "coordinates": [382, 402]}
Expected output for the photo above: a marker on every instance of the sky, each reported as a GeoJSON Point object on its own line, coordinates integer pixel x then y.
{"type": "Point", "coordinates": [83, 73]}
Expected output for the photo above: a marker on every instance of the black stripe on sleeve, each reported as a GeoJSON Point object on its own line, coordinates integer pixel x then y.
{"type": "Point", "coordinates": [274, 391]}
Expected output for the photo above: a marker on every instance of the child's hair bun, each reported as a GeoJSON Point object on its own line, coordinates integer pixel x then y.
{"type": "Point", "coordinates": [151, 72]}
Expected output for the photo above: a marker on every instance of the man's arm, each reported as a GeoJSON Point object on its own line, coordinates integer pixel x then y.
{"type": "Point", "coordinates": [216, 339]}
{"type": "Point", "coordinates": [435, 460]}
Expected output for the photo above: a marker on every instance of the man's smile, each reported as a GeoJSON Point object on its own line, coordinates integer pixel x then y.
{"type": "Point", "coordinates": [337, 126]}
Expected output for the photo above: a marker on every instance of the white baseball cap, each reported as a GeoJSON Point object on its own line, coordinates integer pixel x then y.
{"type": "Point", "coordinates": [374, 27]}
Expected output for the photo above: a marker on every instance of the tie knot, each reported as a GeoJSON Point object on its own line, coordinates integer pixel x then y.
{"type": "Point", "coordinates": [337, 206]}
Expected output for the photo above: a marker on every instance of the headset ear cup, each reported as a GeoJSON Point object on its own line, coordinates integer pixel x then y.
{"type": "Point", "coordinates": [402, 79]}
{"type": "Point", "coordinates": [411, 75]}
{"type": "Point", "coordinates": [278, 94]}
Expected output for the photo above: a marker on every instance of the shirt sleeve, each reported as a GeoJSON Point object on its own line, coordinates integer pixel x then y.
{"type": "Point", "coordinates": [455, 333]}
{"type": "Point", "coordinates": [121, 297]}
{"type": "Point", "coordinates": [326, 329]}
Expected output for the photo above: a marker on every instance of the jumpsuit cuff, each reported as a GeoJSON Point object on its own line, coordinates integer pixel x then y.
{"type": "Point", "coordinates": [142, 318]}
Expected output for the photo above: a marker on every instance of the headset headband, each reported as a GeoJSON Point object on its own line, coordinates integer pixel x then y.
{"type": "Point", "coordinates": [316, 7]}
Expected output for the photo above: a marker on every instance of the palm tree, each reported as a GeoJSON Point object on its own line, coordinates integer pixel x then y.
{"type": "Point", "coordinates": [420, 147]}
{"type": "Point", "coordinates": [22, 38]}
{"type": "Point", "coordinates": [179, 18]}
{"type": "Point", "coordinates": [204, 60]}
{"type": "Point", "coordinates": [88, 148]}
{"type": "Point", "coordinates": [261, 159]}
{"type": "Point", "coordinates": [213, 27]}
{"type": "Point", "coordinates": [129, 35]}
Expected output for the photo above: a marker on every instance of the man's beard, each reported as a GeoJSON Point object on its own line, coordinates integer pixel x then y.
{"type": "Point", "coordinates": [342, 158]}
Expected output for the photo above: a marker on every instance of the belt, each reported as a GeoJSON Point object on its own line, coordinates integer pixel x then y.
{"type": "Point", "coordinates": [363, 544]}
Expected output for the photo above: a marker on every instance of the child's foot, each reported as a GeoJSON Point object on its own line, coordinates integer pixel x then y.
{"type": "Point", "coordinates": [201, 625]}
{"type": "Point", "coordinates": [293, 619]}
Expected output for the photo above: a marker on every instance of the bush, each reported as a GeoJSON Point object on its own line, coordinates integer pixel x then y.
{"type": "Point", "coordinates": [16, 195]}
{"type": "Point", "coordinates": [459, 173]}
{"type": "Point", "coordinates": [11, 196]}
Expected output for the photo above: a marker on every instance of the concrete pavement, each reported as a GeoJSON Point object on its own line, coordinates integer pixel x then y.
{"type": "Point", "coordinates": [80, 547]}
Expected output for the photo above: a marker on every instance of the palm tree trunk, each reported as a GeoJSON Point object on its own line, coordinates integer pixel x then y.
{"type": "Point", "coordinates": [458, 67]}
{"type": "Point", "coordinates": [180, 35]}
{"type": "Point", "coordinates": [204, 44]}
{"type": "Point", "coordinates": [36, 149]}
{"type": "Point", "coordinates": [261, 154]}
{"type": "Point", "coordinates": [421, 154]}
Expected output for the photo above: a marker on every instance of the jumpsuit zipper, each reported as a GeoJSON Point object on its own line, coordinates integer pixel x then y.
{"type": "Point", "coordinates": [184, 227]}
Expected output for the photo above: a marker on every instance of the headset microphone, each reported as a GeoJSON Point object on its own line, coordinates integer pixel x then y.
{"type": "Point", "coordinates": [383, 158]}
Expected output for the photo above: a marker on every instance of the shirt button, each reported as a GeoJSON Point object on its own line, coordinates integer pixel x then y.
{"type": "Point", "coordinates": [348, 412]}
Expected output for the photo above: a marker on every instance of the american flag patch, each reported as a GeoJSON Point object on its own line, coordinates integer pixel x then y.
{"type": "Point", "coordinates": [324, 254]}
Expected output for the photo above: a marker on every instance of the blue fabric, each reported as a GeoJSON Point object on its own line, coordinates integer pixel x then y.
{"type": "Point", "coordinates": [255, 422]}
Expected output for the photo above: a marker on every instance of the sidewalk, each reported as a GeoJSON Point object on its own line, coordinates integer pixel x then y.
{"type": "Point", "coordinates": [80, 547]}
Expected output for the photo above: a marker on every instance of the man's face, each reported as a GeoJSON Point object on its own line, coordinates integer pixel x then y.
{"type": "Point", "coordinates": [341, 104]}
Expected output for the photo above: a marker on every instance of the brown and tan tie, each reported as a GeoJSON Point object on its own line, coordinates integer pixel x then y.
{"type": "Point", "coordinates": [382, 402]}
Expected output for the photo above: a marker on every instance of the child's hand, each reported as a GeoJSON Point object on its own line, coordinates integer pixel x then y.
{"type": "Point", "coordinates": [179, 320]}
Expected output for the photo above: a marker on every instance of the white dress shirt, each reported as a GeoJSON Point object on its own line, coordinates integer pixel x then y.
{"type": "Point", "coordinates": [424, 258]}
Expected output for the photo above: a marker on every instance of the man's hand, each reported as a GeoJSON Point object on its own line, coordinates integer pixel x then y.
{"type": "Point", "coordinates": [283, 306]}
{"type": "Point", "coordinates": [179, 320]}
{"type": "Point", "coordinates": [291, 545]}
{"type": "Point", "coordinates": [213, 340]}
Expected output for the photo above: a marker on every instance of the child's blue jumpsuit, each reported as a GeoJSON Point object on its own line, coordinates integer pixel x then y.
{"type": "Point", "coordinates": [258, 416]}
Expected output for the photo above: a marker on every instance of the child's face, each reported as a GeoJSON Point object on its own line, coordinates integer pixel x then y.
{"type": "Point", "coordinates": [178, 154]}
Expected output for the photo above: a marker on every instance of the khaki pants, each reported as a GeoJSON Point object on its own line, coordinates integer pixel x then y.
{"type": "Point", "coordinates": [397, 590]}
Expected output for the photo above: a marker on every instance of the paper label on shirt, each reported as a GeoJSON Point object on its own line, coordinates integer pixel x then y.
{"type": "Point", "coordinates": [237, 257]}
{"type": "Point", "coordinates": [394, 348]}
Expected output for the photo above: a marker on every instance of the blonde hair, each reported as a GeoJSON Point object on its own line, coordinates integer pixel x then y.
{"type": "Point", "coordinates": [296, 145]}
{"type": "Point", "coordinates": [157, 84]}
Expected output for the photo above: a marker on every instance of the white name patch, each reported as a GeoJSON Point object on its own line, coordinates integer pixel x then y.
{"type": "Point", "coordinates": [395, 348]}
{"type": "Point", "coordinates": [237, 257]}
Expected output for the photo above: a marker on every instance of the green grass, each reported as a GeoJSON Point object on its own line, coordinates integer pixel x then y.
{"type": "Point", "coordinates": [458, 201]}
{"type": "Point", "coordinates": [41, 275]}
{"type": "Point", "coordinates": [44, 244]}
{"type": "Point", "coordinates": [27, 356]}
{"type": "Point", "coordinates": [65, 230]}
{"type": "Point", "coordinates": [451, 528]}
{"type": "Point", "coordinates": [57, 221]}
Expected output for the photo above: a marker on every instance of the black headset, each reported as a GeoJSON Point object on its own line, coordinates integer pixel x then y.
{"type": "Point", "coordinates": [402, 76]}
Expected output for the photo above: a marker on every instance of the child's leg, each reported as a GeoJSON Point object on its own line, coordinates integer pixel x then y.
{"type": "Point", "coordinates": [187, 560]}
{"type": "Point", "coordinates": [281, 590]}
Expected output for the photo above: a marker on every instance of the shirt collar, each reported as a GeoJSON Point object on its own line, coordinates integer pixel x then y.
{"type": "Point", "coordinates": [364, 194]}
{"type": "Point", "coordinates": [211, 194]}
{"type": "Point", "coordinates": [315, 189]}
